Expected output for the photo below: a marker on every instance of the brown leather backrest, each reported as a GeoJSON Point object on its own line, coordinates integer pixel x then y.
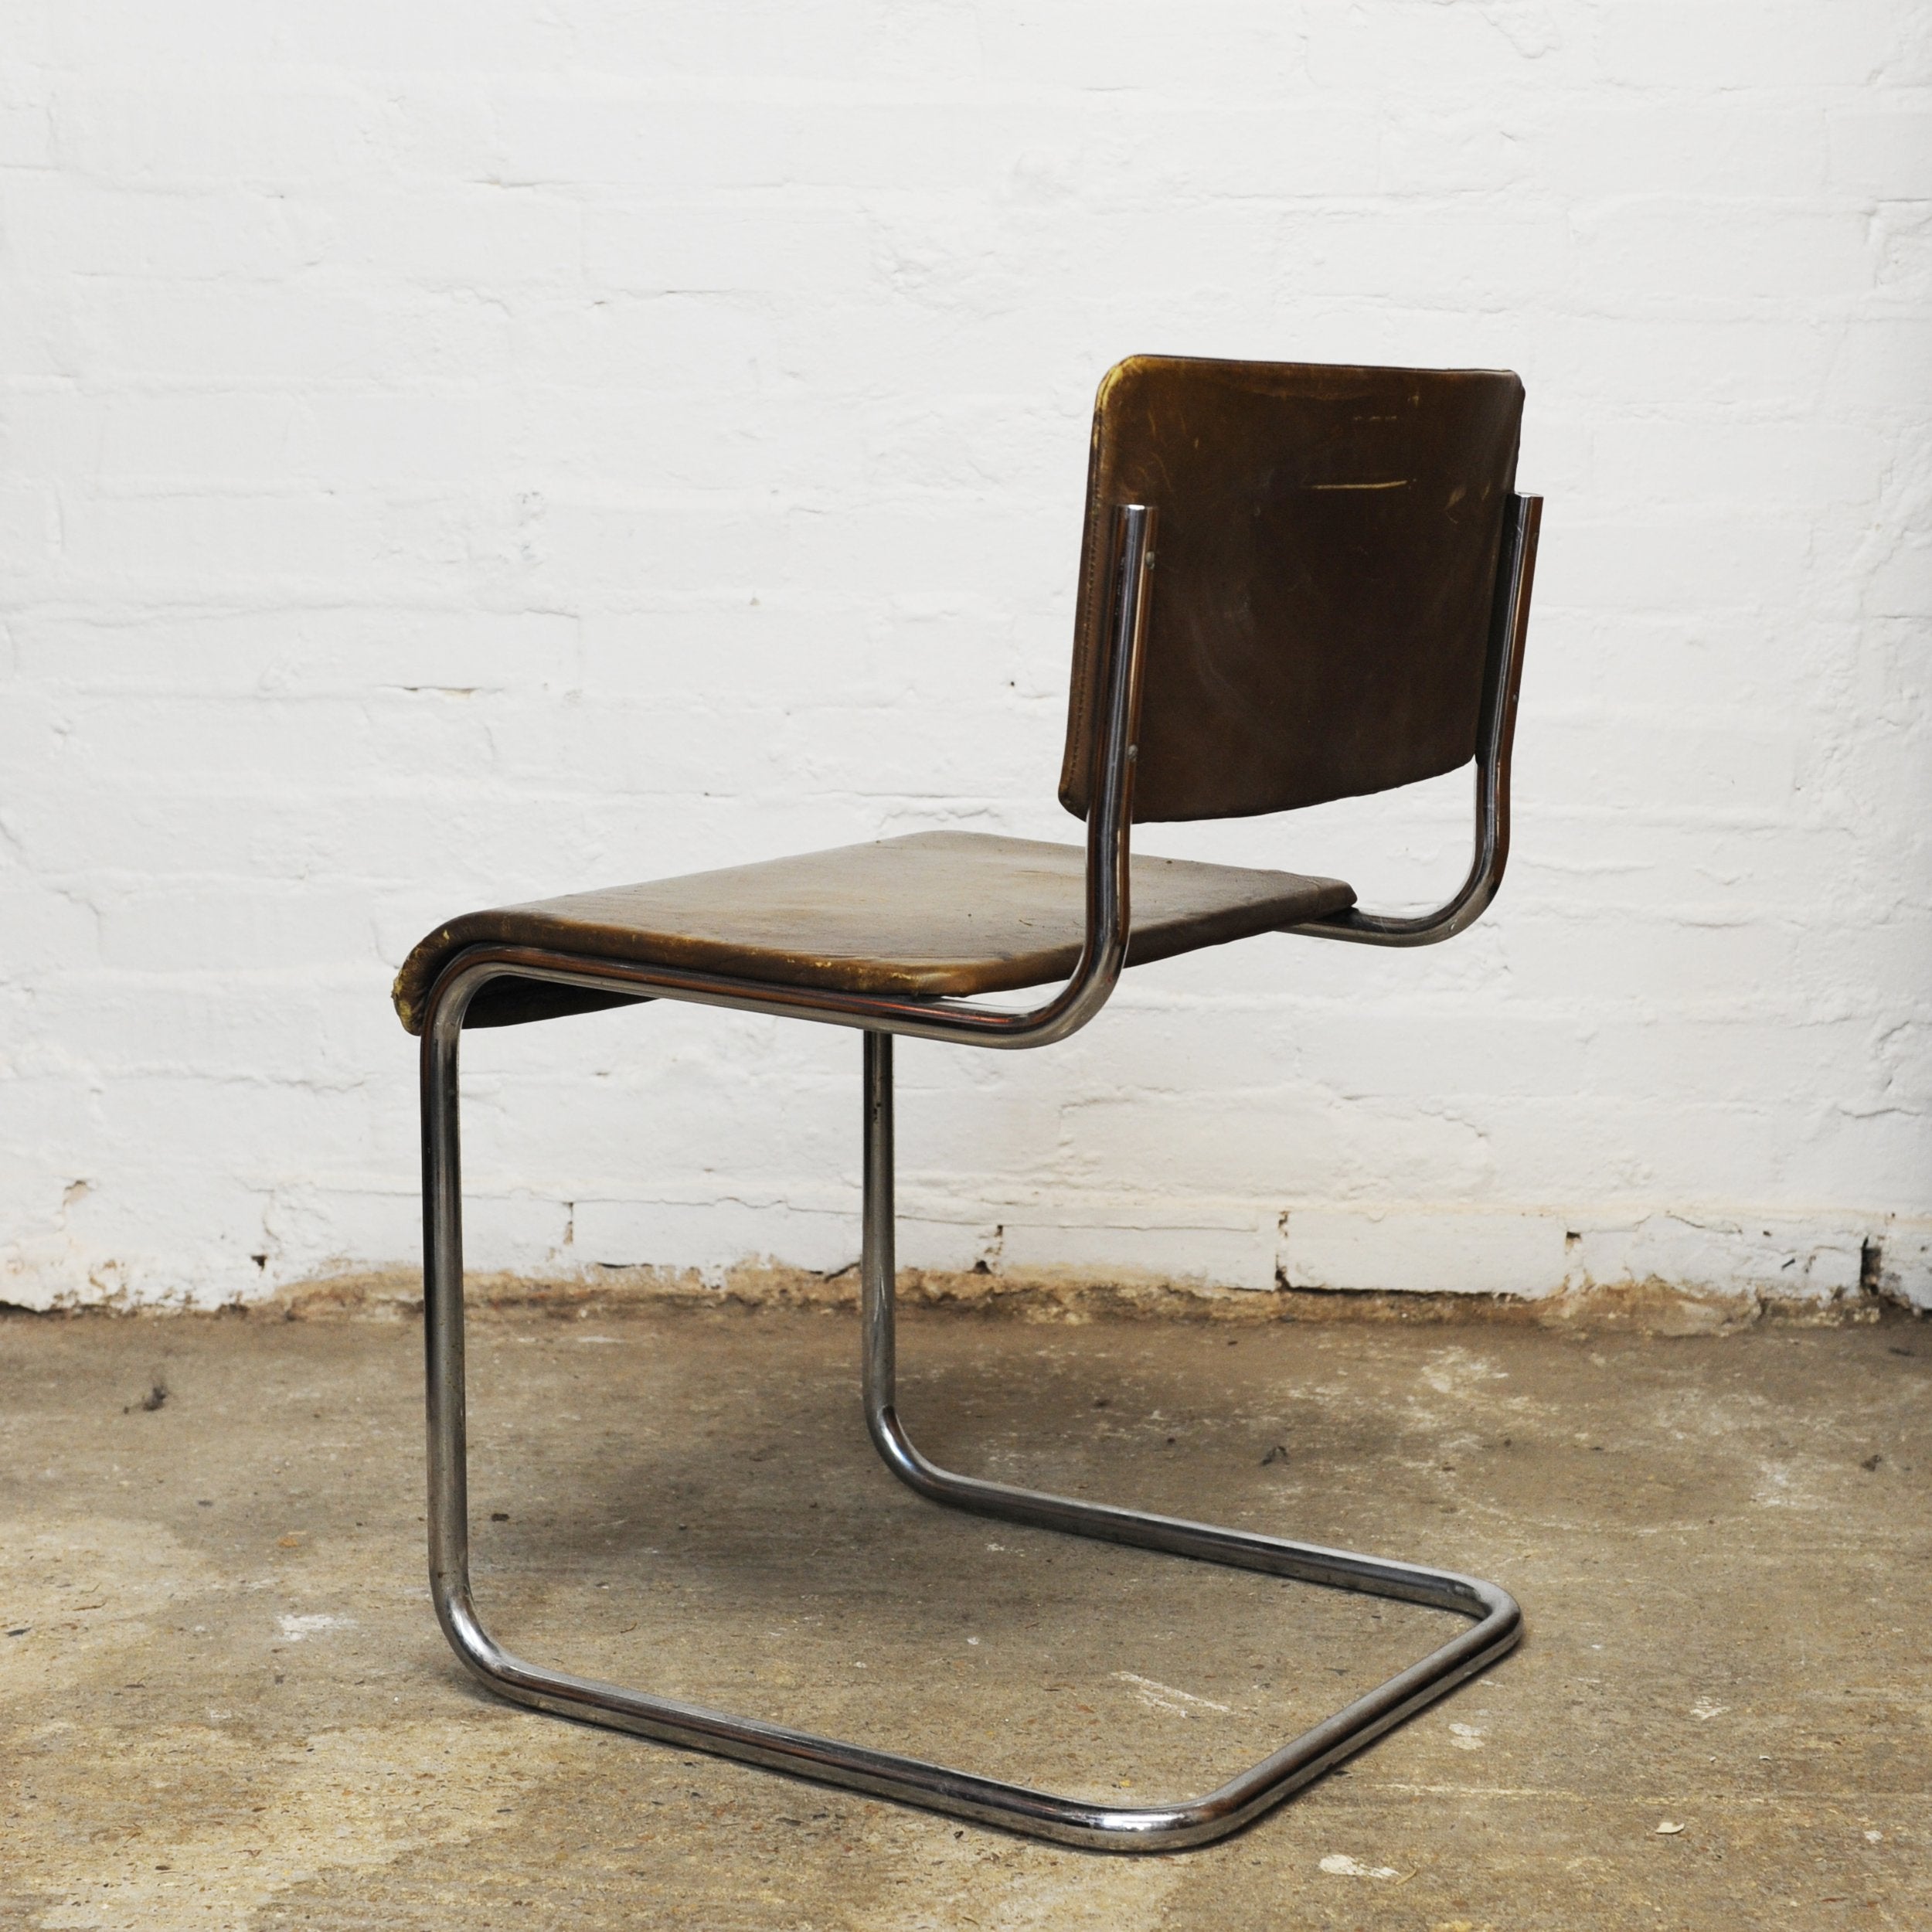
{"type": "Point", "coordinates": [1325, 579]}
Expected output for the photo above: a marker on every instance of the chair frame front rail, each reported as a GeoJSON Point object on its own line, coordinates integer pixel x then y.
{"type": "Point", "coordinates": [1496, 1622]}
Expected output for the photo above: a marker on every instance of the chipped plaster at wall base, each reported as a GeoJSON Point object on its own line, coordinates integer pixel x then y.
{"type": "Point", "coordinates": [65, 1284]}
{"type": "Point", "coordinates": [54, 1271]}
{"type": "Point", "coordinates": [1535, 1253]}
{"type": "Point", "coordinates": [1904, 1264]}
{"type": "Point", "coordinates": [1216, 1246]}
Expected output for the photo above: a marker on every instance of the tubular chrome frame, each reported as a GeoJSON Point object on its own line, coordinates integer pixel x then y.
{"type": "Point", "coordinates": [1523, 519]}
{"type": "Point", "coordinates": [1497, 1622]}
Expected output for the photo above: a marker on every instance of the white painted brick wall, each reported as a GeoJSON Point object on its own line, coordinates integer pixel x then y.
{"type": "Point", "coordinates": [455, 454]}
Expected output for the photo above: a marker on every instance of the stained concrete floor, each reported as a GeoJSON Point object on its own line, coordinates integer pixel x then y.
{"type": "Point", "coordinates": [224, 1701]}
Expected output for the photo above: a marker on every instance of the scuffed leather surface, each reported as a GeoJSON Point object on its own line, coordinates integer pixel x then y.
{"type": "Point", "coordinates": [1325, 581]}
{"type": "Point", "coordinates": [935, 913]}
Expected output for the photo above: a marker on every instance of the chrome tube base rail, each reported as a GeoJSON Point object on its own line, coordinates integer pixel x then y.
{"type": "Point", "coordinates": [1495, 1627]}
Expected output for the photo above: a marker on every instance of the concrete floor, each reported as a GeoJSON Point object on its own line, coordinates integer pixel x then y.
{"type": "Point", "coordinates": [224, 1701]}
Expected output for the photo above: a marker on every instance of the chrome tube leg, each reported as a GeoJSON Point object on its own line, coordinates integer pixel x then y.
{"type": "Point", "coordinates": [1495, 1626]}
{"type": "Point", "coordinates": [442, 1324]}
{"type": "Point", "coordinates": [449, 1509]}
{"type": "Point", "coordinates": [878, 1262]}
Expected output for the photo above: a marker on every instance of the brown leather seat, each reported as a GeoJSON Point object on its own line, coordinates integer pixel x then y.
{"type": "Point", "coordinates": [955, 913]}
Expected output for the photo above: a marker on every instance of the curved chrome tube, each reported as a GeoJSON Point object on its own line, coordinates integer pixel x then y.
{"type": "Point", "coordinates": [1496, 1626]}
{"type": "Point", "coordinates": [1516, 572]}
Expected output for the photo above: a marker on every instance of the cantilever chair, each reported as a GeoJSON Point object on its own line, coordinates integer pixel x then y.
{"type": "Point", "coordinates": [1340, 608]}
